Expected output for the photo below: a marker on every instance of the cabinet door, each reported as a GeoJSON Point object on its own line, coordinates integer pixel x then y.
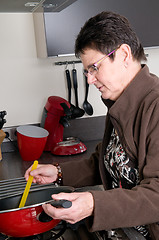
{"type": "Point", "coordinates": [61, 28]}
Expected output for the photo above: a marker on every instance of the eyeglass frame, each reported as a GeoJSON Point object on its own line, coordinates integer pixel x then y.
{"type": "Point", "coordinates": [94, 66]}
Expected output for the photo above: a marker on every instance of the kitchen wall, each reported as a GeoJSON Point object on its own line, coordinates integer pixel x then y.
{"type": "Point", "coordinates": [26, 81]}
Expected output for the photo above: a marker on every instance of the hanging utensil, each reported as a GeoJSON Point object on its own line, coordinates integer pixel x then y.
{"type": "Point", "coordinates": [86, 105]}
{"type": "Point", "coordinates": [80, 112]}
{"type": "Point", "coordinates": [28, 185]}
{"type": "Point", "coordinates": [69, 86]}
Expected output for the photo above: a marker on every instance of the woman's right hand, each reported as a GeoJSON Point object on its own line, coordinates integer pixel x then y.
{"type": "Point", "coordinates": [44, 173]}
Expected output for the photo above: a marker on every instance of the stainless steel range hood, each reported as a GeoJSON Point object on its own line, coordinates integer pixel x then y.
{"type": "Point", "coordinates": [56, 32]}
{"type": "Point", "coordinates": [12, 6]}
{"type": "Point", "coordinates": [56, 5]}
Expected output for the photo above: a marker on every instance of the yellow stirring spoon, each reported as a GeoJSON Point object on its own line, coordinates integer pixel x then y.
{"type": "Point", "coordinates": [28, 185]}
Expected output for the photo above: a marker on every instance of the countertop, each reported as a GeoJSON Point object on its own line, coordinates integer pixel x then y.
{"type": "Point", "coordinates": [12, 165]}
{"type": "Point", "coordinates": [85, 129]}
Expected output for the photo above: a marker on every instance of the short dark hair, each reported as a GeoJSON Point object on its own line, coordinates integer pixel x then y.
{"type": "Point", "coordinates": [107, 31]}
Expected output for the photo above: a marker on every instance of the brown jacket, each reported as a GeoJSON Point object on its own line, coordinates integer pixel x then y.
{"type": "Point", "coordinates": [135, 116]}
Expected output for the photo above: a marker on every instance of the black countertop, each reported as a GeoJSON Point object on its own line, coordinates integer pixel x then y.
{"type": "Point", "coordinates": [12, 165]}
{"type": "Point", "coordinates": [88, 130]}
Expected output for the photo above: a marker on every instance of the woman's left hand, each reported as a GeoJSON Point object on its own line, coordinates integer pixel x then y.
{"type": "Point", "coordinates": [82, 207]}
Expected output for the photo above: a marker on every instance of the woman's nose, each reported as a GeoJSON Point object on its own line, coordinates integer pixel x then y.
{"type": "Point", "coordinates": [91, 79]}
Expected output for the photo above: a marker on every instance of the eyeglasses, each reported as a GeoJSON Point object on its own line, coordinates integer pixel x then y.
{"type": "Point", "coordinates": [93, 69]}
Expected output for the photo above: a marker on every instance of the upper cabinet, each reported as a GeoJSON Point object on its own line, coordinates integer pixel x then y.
{"type": "Point", "coordinates": [56, 31]}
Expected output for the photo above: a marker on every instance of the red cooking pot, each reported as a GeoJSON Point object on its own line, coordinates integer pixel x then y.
{"type": "Point", "coordinates": [27, 221]}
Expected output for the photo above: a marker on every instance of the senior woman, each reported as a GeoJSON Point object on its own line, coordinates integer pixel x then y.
{"type": "Point", "coordinates": [127, 160]}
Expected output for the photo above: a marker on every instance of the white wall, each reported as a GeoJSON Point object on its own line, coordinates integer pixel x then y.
{"type": "Point", "coordinates": [26, 81]}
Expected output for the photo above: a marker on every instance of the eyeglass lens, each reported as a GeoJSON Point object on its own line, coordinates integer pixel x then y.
{"type": "Point", "coordinates": [91, 70]}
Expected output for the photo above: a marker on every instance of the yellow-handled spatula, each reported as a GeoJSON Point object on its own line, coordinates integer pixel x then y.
{"type": "Point", "coordinates": [28, 185]}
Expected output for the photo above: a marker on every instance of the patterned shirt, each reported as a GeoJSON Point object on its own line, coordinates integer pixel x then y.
{"type": "Point", "coordinates": [123, 172]}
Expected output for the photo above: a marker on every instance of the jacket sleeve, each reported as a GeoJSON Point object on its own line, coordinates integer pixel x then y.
{"type": "Point", "coordinates": [84, 172]}
{"type": "Point", "coordinates": [121, 208]}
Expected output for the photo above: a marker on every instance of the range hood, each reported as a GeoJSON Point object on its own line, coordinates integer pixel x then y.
{"type": "Point", "coordinates": [26, 6]}
{"type": "Point", "coordinates": [56, 5]}
{"type": "Point", "coordinates": [56, 32]}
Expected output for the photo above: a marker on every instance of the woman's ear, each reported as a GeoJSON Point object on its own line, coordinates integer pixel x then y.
{"type": "Point", "coordinates": [126, 54]}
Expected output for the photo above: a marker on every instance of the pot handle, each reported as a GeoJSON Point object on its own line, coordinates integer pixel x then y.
{"type": "Point", "coordinates": [61, 203]}
{"type": "Point", "coordinates": [43, 217]}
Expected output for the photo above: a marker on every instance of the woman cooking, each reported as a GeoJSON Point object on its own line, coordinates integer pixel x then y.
{"type": "Point", "coordinates": [127, 160]}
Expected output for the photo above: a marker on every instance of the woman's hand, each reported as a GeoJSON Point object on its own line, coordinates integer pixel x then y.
{"type": "Point", "coordinates": [42, 174]}
{"type": "Point", "coordinates": [82, 207]}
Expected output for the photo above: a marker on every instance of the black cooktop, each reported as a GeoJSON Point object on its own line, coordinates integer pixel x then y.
{"type": "Point", "coordinates": [79, 231]}
{"type": "Point", "coordinates": [69, 232]}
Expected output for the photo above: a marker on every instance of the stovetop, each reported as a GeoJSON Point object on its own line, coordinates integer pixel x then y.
{"type": "Point", "coordinates": [77, 231]}
{"type": "Point", "coordinates": [60, 232]}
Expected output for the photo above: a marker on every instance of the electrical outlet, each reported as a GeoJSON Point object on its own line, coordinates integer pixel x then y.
{"type": "Point", "coordinates": [10, 133]}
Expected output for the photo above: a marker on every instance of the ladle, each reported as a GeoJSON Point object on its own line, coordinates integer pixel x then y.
{"type": "Point", "coordinates": [80, 112]}
{"type": "Point", "coordinates": [86, 105]}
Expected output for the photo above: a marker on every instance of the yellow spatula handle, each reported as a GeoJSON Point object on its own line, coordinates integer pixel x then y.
{"type": "Point", "coordinates": [28, 185]}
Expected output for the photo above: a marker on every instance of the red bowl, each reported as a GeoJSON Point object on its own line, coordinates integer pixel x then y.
{"type": "Point", "coordinates": [31, 141]}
